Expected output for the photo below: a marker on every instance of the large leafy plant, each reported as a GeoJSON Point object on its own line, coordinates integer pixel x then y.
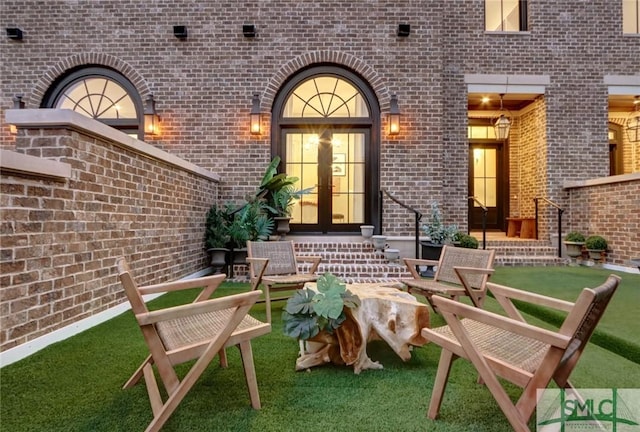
{"type": "Point", "coordinates": [309, 312]}
{"type": "Point", "coordinates": [279, 191]}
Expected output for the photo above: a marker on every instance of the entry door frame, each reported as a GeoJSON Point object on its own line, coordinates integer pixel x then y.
{"type": "Point", "coordinates": [502, 185]}
{"type": "Point", "coordinates": [318, 125]}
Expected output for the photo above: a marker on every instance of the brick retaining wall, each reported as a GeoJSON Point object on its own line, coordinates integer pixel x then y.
{"type": "Point", "coordinates": [609, 207]}
{"type": "Point", "coordinates": [61, 235]}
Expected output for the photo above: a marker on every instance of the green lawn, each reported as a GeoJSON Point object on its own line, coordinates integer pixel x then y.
{"type": "Point", "coordinates": [75, 385]}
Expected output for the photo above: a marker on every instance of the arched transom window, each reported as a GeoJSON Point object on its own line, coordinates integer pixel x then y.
{"type": "Point", "coordinates": [102, 94]}
{"type": "Point", "coordinates": [325, 97]}
{"type": "Point", "coordinates": [98, 98]}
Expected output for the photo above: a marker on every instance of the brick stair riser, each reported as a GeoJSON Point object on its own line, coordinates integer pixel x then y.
{"type": "Point", "coordinates": [360, 262]}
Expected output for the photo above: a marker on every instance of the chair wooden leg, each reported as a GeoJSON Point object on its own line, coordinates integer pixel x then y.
{"type": "Point", "coordinates": [250, 373]}
{"type": "Point", "coordinates": [223, 358]}
{"type": "Point", "coordinates": [267, 302]}
{"type": "Point", "coordinates": [133, 380]}
{"type": "Point", "coordinates": [444, 367]}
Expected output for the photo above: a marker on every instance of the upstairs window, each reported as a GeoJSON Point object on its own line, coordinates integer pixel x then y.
{"type": "Point", "coordinates": [631, 16]}
{"type": "Point", "coordinates": [505, 15]}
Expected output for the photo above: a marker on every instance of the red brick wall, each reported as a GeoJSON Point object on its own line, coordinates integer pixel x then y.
{"type": "Point", "coordinates": [611, 210]}
{"type": "Point", "coordinates": [203, 84]}
{"type": "Point", "coordinates": [60, 238]}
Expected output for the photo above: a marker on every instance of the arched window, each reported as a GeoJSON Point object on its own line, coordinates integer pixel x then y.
{"type": "Point", "coordinates": [325, 96]}
{"type": "Point", "coordinates": [326, 131]}
{"type": "Point", "coordinates": [102, 94]}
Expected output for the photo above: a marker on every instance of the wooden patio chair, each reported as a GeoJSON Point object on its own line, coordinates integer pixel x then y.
{"type": "Point", "coordinates": [509, 348]}
{"type": "Point", "coordinates": [199, 330]}
{"type": "Point", "coordinates": [274, 265]}
{"type": "Point", "coordinates": [460, 272]}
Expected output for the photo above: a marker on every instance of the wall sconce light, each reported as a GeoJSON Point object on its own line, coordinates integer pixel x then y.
{"type": "Point", "coordinates": [249, 30]}
{"type": "Point", "coordinates": [18, 103]}
{"type": "Point", "coordinates": [502, 124]}
{"type": "Point", "coordinates": [255, 115]}
{"type": "Point", "coordinates": [14, 33]}
{"type": "Point", "coordinates": [633, 122]}
{"type": "Point", "coordinates": [394, 116]}
{"type": "Point", "coordinates": [180, 31]}
{"type": "Point", "coordinates": [404, 30]}
{"type": "Point", "coordinates": [151, 118]}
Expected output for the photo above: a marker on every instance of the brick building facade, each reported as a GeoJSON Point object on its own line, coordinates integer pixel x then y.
{"type": "Point", "coordinates": [568, 78]}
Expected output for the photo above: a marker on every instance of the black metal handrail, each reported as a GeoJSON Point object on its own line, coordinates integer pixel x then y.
{"type": "Point", "coordinates": [417, 214]}
{"type": "Point", "coordinates": [485, 210]}
{"type": "Point", "coordinates": [560, 211]}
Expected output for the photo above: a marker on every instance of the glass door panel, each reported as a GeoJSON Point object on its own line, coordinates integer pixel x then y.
{"type": "Point", "coordinates": [333, 164]}
{"type": "Point", "coordinates": [484, 186]}
{"type": "Point", "coordinates": [302, 162]}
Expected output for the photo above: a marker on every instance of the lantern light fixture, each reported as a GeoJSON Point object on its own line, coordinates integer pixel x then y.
{"type": "Point", "coordinates": [18, 103]}
{"type": "Point", "coordinates": [633, 122]}
{"type": "Point", "coordinates": [255, 115]}
{"type": "Point", "coordinates": [151, 118]}
{"type": "Point", "coordinates": [502, 124]}
{"type": "Point", "coordinates": [394, 116]}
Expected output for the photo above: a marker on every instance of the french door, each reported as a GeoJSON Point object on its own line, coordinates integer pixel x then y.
{"type": "Point", "coordinates": [333, 162]}
{"type": "Point", "coordinates": [486, 185]}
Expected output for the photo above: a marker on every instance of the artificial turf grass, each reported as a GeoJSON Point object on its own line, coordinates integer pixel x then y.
{"type": "Point", "coordinates": [618, 331]}
{"type": "Point", "coordinates": [75, 385]}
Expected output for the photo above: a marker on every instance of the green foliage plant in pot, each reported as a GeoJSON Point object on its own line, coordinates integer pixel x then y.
{"type": "Point", "coordinates": [248, 222]}
{"type": "Point", "coordinates": [309, 313]}
{"type": "Point", "coordinates": [595, 245]}
{"type": "Point", "coordinates": [435, 229]}
{"type": "Point", "coordinates": [217, 237]}
{"type": "Point", "coordinates": [280, 195]}
{"type": "Point", "coordinates": [468, 241]}
{"type": "Point", "coordinates": [574, 241]}
{"type": "Point", "coordinates": [438, 234]}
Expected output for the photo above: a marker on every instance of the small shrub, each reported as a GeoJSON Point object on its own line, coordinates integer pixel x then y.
{"type": "Point", "coordinates": [575, 236]}
{"type": "Point", "coordinates": [596, 242]}
{"type": "Point", "coordinates": [468, 241]}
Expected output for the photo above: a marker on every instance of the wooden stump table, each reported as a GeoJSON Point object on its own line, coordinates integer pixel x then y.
{"type": "Point", "coordinates": [385, 313]}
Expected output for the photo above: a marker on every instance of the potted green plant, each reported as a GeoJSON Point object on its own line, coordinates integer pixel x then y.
{"type": "Point", "coordinates": [467, 241]}
{"type": "Point", "coordinates": [280, 194]}
{"type": "Point", "coordinates": [310, 313]}
{"type": "Point", "coordinates": [574, 241]}
{"type": "Point", "coordinates": [248, 222]}
{"type": "Point", "coordinates": [595, 245]}
{"type": "Point", "coordinates": [217, 237]}
{"type": "Point", "coordinates": [438, 234]}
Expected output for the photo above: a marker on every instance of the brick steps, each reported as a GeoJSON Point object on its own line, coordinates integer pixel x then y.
{"type": "Point", "coordinates": [355, 261]}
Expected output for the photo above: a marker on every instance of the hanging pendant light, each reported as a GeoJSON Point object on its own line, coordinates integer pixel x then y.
{"type": "Point", "coordinates": [633, 122]}
{"type": "Point", "coordinates": [502, 124]}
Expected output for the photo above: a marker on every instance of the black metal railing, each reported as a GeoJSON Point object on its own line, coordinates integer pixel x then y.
{"type": "Point", "coordinates": [417, 214]}
{"type": "Point", "coordinates": [485, 210]}
{"type": "Point", "coordinates": [560, 211]}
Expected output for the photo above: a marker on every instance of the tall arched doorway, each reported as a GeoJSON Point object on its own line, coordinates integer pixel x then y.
{"type": "Point", "coordinates": [326, 130]}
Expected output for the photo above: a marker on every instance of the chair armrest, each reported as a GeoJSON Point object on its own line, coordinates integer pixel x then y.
{"type": "Point", "coordinates": [210, 284]}
{"type": "Point", "coordinates": [257, 267]}
{"type": "Point", "coordinates": [191, 309]}
{"type": "Point", "coordinates": [412, 263]}
{"type": "Point", "coordinates": [454, 310]}
{"type": "Point", "coordinates": [504, 293]}
{"type": "Point", "coordinates": [314, 260]}
{"type": "Point", "coordinates": [472, 292]}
